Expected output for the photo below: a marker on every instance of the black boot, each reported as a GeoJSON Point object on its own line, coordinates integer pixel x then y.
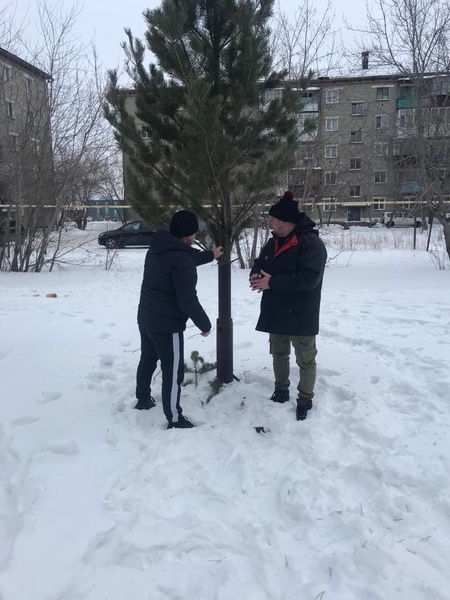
{"type": "Point", "coordinates": [182, 423]}
{"type": "Point", "coordinates": [145, 404]}
{"type": "Point", "coordinates": [303, 405]}
{"type": "Point", "coordinates": [280, 396]}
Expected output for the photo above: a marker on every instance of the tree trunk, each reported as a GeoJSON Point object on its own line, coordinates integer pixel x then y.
{"type": "Point", "coordinates": [225, 326]}
{"type": "Point", "coordinates": [239, 253]}
{"type": "Point", "coordinates": [446, 226]}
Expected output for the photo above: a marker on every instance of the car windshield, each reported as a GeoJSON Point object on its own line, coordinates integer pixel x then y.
{"type": "Point", "coordinates": [132, 226]}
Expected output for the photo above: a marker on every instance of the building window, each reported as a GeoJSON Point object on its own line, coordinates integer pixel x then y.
{"type": "Point", "coordinates": [304, 156]}
{"type": "Point", "coordinates": [382, 94]}
{"type": "Point", "coordinates": [443, 174]}
{"type": "Point", "coordinates": [332, 96]}
{"type": "Point", "coordinates": [331, 123]}
{"type": "Point", "coordinates": [1, 153]}
{"type": "Point", "coordinates": [331, 151]}
{"type": "Point", "coordinates": [309, 100]}
{"type": "Point", "coordinates": [329, 204]}
{"type": "Point", "coordinates": [380, 148]}
{"type": "Point", "coordinates": [380, 176]}
{"type": "Point", "coordinates": [355, 191]}
{"type": "Point", "coordinates": [408, 202]}
{"type": "Point", "coordinates": [307, 124]}
{"type": "Point", "coordinates": [301, 121]}
{"type": "Point", "coordinates": [9, 109]}
{"type": "Point", "coordinates": [406, 118]}
{"type": "Point", "coordinates": [273, 94]}
{"type": "Point", "coordinates": [6, 72]}
{"type": "Point", "coordinates": [356, 137]}
{"type": "Point", "coordinates": [330, 177]}
{"type": "Point", "coordinates": [31, 119]}
{"type": "Point", "coordinates": [378, 203]}
{"type": "Point", "coordinates": [14, 139]}
{"type": "Point", "coordinates": [381, 121]}
{"type": "Point", "coordinates": [36, 146]}
{"type": "Point", "coordinates": [355, 164]}
{"type": "Point", "coordinates": [28, 84]}
{"type": "Point", "coordinates": [357, 109]}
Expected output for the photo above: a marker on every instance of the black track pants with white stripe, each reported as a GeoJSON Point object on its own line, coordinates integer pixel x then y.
{"type": "Point", "coordinates": [169, 349]}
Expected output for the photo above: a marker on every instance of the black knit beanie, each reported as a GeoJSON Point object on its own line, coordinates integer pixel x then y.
{"type": "Point", "coordinates": [183, 224]}
{"type": "Point", "coordinates": [286, 209]}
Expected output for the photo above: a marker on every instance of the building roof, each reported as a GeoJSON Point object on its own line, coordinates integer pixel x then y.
{"type": "Point", "coordinates": [363, 78]}
{"type": "Point", "coordinates": [23, 64]}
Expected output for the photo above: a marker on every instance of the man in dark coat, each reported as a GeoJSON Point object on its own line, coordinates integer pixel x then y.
{"type": "Point", "coordinates": [289, 273]}
{"type": "Point", "coordinates": [168, 299]}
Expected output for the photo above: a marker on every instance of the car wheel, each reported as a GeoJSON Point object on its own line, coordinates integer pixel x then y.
{"type": "Point", "coordinates": [390, 224]}
{"type": "Point", "coordinates": [111, 243]}
{"type": "Point", "coordinates": [418, 223]}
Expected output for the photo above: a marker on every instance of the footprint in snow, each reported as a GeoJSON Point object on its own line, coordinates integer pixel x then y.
{"type": "Point", "coordinates": [330, 372]}
{"type": "Point", "coordinates": [107, 360]}
{"type": "Point", "coordinates": [243, 345]}
{"type": "Point", "coordinates": [25, 420]}
{"type": "Point", "coordinates": [4, 352]}
{"type": "Point", "coordinates": [61, 447]}
{"type": "Point", "coordinates": [100, 377]}
{"type": "Point", "coordinates": [342, 394]}
{"type": "Point", "coordinates": [49, 397]}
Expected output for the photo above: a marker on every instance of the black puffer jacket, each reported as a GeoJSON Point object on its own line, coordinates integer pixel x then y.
{"type": "Point", "coordinates": [168, 294]}
{"type": "Point", "coordinates": [296, 264]}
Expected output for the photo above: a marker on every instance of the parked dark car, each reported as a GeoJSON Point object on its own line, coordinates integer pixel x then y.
{"type": "Point", "coordinates": [135, 233]}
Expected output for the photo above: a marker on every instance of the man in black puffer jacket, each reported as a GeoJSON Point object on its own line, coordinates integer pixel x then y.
{"type": "Point", "coordinates": [289, 273]}
{"type": "Point", "coordinates": [168, 300]}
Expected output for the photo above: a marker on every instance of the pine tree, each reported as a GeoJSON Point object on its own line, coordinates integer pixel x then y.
{"type": "Point", "coordinates": [212, 145]}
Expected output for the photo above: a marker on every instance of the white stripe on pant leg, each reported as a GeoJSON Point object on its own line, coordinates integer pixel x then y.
{"type": "Point", "coordinates": [174, 390]}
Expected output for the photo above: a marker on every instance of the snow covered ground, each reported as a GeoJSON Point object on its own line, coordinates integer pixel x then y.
{"type": "Point", "coordinates": [100, 502]}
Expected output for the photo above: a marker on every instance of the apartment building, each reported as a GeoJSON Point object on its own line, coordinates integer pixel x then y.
{"type": "Point", "coordinates": [26, 170]}
{"type": "Point", "coordinates": [361, 158]}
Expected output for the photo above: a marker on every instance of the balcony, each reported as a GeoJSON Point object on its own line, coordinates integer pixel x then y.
{"type": "Point", "coordinates": [405, 103]}
{"type": "Point", "coordinates": [410, 188]}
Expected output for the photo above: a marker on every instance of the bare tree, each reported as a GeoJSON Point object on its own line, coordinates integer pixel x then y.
{"type": "Point", "coordinates": [10, 28]}
{"type": "Point", "coordinates": [71, 151]}
{"type": "Point", "coordinates": [307, 43]}
{"type": "Point", "coordinates": [299, 47]}
{"type": "Point", "coordinates": [412, 38]}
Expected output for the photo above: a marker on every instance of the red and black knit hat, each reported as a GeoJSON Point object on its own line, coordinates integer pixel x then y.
{"type": "Point", "coordinates": [286, 209]}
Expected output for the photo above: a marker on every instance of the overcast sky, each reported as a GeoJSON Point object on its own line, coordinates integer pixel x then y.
{"type": "Point", "coordinates": [103, 21]}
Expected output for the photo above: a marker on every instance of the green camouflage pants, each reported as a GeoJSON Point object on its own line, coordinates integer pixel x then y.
{"type": "Point", "coordinates": [305, 356]}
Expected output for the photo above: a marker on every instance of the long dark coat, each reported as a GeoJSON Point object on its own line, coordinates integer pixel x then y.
{"type": "Point", "coordinates": [296, 264]}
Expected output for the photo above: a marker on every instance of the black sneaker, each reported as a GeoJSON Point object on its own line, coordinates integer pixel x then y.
{"type": "Point", "coordinates": [280, 396]}
{"type": "Point", "coordinates": [303, 405]}
{"type": "Point", "coordinates": [145, 404]}
{"type": "Point", "coordinates": [182, 423]}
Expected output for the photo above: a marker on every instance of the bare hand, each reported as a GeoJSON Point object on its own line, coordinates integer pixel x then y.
{"type": "Point", "coordinates": [253, 277]}
{"type": "Point", "coordinates": [218, 251]}
{"type": "Point", "coordinates": [205, 333]}
{"type": "Point", "coordinates": [260, 282]}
